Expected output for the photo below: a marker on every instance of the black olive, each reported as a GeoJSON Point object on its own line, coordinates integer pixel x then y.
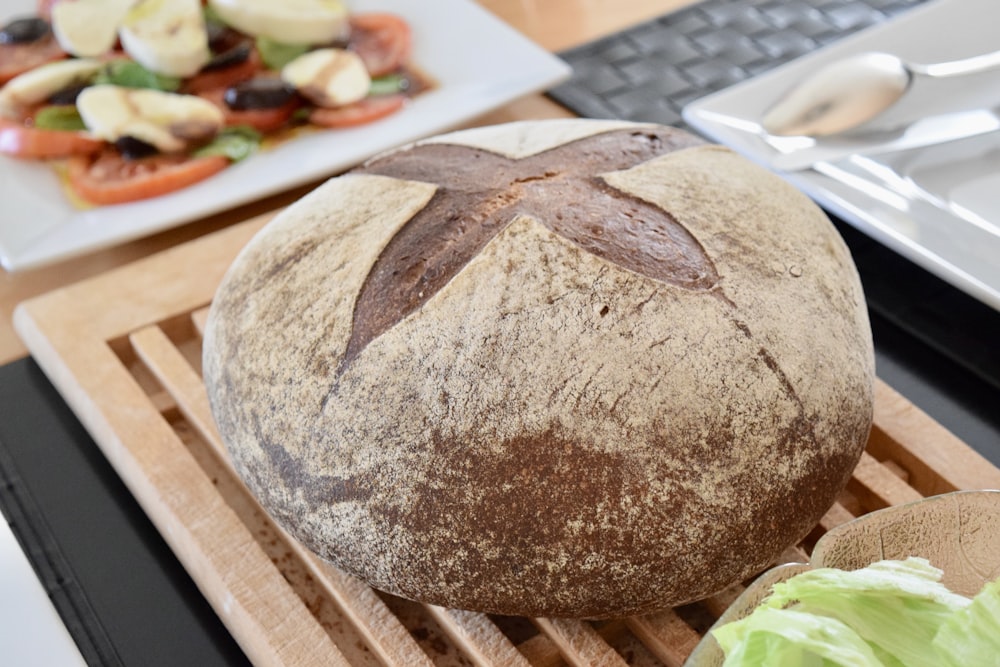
{"type": "Point", "coordinates": [233, 56]}
{"type": "Point", "coordinates": [216, 32]}
{"type": "Point", "coordinates": [221, 37]}
{"type": "Point", "coordinates": [225, 39]}
{"type": "Point", "coordinates": [67, 95]}
{"type": "Point", "coordinates": [133, 149]}
{"type": "Point", "coordinates": [259, 93]}
{"type": "Point", "coordinates": [22, 31]}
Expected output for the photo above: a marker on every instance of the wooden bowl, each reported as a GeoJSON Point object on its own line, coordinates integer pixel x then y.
{"type": "Point", "coordinates": [957, 532]}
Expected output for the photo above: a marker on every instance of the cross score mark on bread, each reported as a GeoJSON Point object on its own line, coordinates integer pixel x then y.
{"type": "Point", "coordinates": [479, 193]}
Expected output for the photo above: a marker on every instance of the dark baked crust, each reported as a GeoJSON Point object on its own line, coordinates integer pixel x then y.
{"type": "Point", "coordinates": [540, 423]}
{"type": "Point", "coordinates": [480, 192]}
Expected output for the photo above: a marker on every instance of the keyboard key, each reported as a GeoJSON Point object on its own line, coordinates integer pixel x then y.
{"type": "Point", "coordinates": [750, 23]}
{"type": "Point", "coordinates": [664, 115]}
{"type": "Point", "coordinates": [628, 102]}
{"type": "Point", "coordinates": [781, 15]}
{"type": "Point", "coordinates": [618, 51]}
{"type": "Point", "coordinates": [689, 23]}
{"type": "Point", "coordinates": [677, 50]}
{"type": "Point", "coordinates": [742, 53]}
{"type": "Point", "coordinates": [666, 81]}
{"type": "Point", "coordinates": [723, 13]}
{"type": "Point", "coordinates": [785, 44]}
{"type": "Point", "coordinates": [647, 39]}
{"type": "Point", "coordinates": [813, 24]}
{"type": "Point", "coordinates": [659, 79]}
{"type": "Point", "coordinates": [604, 79]}
{"type": "Point", "coordinates": [714, 75]}
{"type": "Point", "coordinates": [714, 42]}
{"type": "Point", "coordinates": [853, 15]}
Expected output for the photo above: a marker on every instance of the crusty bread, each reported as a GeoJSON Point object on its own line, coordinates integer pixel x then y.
{"type": "Point", "coordinates": [562, 368]}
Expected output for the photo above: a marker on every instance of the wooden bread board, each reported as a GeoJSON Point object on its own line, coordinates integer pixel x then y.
{"type": "Point", "coordinates": [124, 349]}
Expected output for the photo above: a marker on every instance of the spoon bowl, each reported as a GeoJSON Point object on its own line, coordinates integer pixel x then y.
{"type": "Point", "coordinates": [849, 92]}
{"type": "Point", "coordinates": [839, 96]}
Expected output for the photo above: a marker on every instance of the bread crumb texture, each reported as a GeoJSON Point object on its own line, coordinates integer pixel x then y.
{"type": "Point", "coordinates": [550, 433]}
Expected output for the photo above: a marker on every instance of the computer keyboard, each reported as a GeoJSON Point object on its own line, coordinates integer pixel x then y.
{"type": "Point", "coordinates": [651, 71]}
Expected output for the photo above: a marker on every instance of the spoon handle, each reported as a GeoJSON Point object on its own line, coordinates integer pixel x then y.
{"type": "Point", "coordinates": [927, 132]}
{"type": "Point", "coordinates": [973, 65]}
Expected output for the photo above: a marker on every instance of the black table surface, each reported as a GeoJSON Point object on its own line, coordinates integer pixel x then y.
{"type": "Point", "coordinates": [127, 600]}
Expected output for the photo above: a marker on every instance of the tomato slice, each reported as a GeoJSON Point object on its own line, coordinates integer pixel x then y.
{"type": "Point", "coordinates": [262, 120]}
{"type": "Point", "coordinates": [359, 113]}
{"type": "Point", "coordinates": [17, 59]}
{"type": "Point", "coordinates": [32, 142]}
{"type": "Point", "coordinates": [383, 41]}
{"type": "Point", "coordinates": [224, 77]}
{"type": "Point", "coordinates": [111, 179]}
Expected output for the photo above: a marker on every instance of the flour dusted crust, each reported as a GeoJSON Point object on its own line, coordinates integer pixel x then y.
{"type": "Point", "coordinates": [547, 432]}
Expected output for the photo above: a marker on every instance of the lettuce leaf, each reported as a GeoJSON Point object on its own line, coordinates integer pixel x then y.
{"type": "Point", "coordinates": [789, 638]}
{"type": "Point", "coordinates": [59, 118]}
{"type": "Point", "coordinates": [235, 143]}
{"type": "Point", "coordinates": [972, 635]}
{"type": "Point", "coordinates": [130, 74]}
{"type": "Point", "coordinates": [278, 54]}
{"type": "Point", "coordinates": [898, 606]}
{"type": "Point", "coordinates": [889, 614]}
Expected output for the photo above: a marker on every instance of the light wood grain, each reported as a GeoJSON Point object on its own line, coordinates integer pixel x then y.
{"type": "Point", "coordinates": [836, 515]}
{"type": "Point", "coordinates": [579, 643]}
{"type": "Point", "coordinates": [481, 640]}
{"type": "Point", "coordinates": [934, 459]}
{"type": "Point", "coordinates": [667, 636]}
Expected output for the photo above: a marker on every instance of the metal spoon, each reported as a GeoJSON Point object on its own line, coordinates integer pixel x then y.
{"type": "Point", "coordinates": [848, 92]}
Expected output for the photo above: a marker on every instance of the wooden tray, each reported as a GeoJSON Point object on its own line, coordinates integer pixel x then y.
{"type": "Point", "coordinates": [124, 348]}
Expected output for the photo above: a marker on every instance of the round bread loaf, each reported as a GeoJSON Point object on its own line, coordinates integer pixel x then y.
{"type": "Point", "coordinates": [555, 368]}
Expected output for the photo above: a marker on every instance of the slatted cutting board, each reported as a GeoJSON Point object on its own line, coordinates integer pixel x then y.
{"type": "Point", "coordinates": [124, 350]}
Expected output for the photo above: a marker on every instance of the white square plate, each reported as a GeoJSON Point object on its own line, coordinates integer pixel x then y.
{"type": "Point", "coordinates": [939, 206]}
{"type": "Point", "coordinates": [477, 61]}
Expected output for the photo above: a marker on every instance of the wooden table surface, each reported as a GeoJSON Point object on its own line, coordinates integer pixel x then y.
{"type": "Point", "coordinates": [553, 24]}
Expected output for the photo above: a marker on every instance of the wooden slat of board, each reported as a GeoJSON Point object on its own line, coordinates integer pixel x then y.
{"type": "Point", "coordinates": [793, 554]}
{"type": "Point", "coordinates": [478, 637]}
{"type": "Point", "coordinates": [665, 634]}
{"type": "Point", "coordinates": [579, 643]}
{"type": "Point", "coordinates": [386, 636]}
{"type": "Point", "coordinates": [936, 460]}
{"type": "Point", "coordinates": [179, 380]}
{"type": "Point", "coordinates": [382, 630]}
{"type": "Point", "coordinates": [718, 603]}
{"type": "Point", "coordinates": [541, 651]}
{"type": "Point", "coordinates": [836, 515]}
{"type": "Point", "coordinates": [878, 486]}
{"type": "Point", "coordinates": [199, 318]}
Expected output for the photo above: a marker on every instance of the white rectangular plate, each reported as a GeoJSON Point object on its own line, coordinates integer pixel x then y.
{"type": "Point", "coordinates": [939, 206]}
{"type": "Point", "coordinates": [478, 63]}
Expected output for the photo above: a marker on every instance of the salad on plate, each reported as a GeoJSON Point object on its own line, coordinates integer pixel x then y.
{"type": "Point", "coordinates": [133, 99]}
